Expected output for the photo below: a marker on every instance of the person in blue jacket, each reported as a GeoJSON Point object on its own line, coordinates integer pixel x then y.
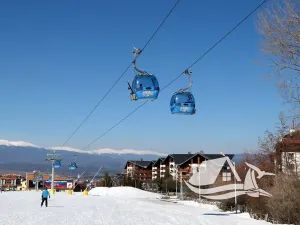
{"type": "Point", "coordinates": [45, 195]}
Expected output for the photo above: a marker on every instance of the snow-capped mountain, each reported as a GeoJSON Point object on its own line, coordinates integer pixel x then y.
{"type": "Point", "coordinates": [96, 151]}
{"type": "Point", "coordinates": [25, 156]}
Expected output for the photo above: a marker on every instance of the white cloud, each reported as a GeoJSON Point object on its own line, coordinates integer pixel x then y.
{"type": "Point", "coordinates": [96, 151]}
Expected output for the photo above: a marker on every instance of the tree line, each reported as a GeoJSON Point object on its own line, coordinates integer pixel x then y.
{"type": "Point", "coordinates": [279, 26]}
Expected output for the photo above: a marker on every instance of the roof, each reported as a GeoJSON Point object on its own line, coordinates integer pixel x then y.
{"type": "Point", "coordinates": [182, 158]}
{"type": "Point", "coordinates": [212, 170]}
{"type": "Point", "coordinates": [140, 163]}
{"type": "Point", "coordinates": [216, 156]}
{"type": "Point", "coordinates": [158, 161]}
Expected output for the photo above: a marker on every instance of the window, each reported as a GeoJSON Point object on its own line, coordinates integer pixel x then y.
{"type": "Point", "coordinates": [226, 176]}
{"type": "Point", "coordinates": [291, 156]}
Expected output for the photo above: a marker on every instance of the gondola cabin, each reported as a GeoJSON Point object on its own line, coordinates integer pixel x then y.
{"type": "Point", "coordinates": [72, 166]}
{"type": "Point", "coordinates": [183, 103]}
{"type": "Point", "coordinates": [145, 87]}
{"type": "Point", "coordinates": [56, 164]}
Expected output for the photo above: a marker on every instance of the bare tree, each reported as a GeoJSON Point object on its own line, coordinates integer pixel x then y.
{"type": "Point", "coordinates": [279, 26]}
{"type": "Point", "coordinates": [268, 143]}
{"type": "Point", "coordinates": [284, 205]}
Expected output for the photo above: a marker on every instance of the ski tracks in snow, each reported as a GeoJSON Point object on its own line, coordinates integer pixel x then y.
{"type": "Point", "coordinates": [24, 208]}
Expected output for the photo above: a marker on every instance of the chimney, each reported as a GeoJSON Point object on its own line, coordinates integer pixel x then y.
{"type": "Point", "coordinates": [292, 130]}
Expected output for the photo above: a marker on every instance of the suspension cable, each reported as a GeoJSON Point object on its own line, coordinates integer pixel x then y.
{"type": "Point", "coordinates": [99, 102]}
{"type": "Point", "coordinates": [172, 81]}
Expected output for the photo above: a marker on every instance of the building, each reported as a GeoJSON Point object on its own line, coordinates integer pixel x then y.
{"type": "Point", "coordinates": [10, 181]}
{"type": "Point", "coordinates": [184, 164]}
{"type": "Point", "coordinates": [175, 164]}
{"type": "Point", "coordinates": [156, 168]}
{"type": "Point", "coordinates": [288, 153]}
{"type": "Point", "coordinates": [140, 170]}
{"type": "Point", "coordinates": [44, 180]}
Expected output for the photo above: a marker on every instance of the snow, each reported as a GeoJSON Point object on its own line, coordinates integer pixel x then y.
{"type": "Point", "coordinates": [114, 206]}
{"type": "Point", "coordinates": [17, 143]}
{"type": "Point", "coordinates": [119, 192]}
{"type": "Point", "coordinates": [71, 149]}
{"type": "Point", "coordinates": [109, 151]}
{"type": "Point", "coordinates": [197, 204]}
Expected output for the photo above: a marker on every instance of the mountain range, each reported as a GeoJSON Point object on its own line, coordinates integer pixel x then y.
{"type": "Point", "coordinates": [21, 157]}
{"type": "Point", "coordinates": [24, 157]}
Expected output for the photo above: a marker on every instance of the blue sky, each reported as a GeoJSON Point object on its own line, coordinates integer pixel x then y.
{"type": "Point", "coordinates": [58, 58]}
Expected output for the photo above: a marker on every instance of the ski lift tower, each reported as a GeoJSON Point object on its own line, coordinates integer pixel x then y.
{"type": "Point", "coordinates": [36, 174]}
{"type": "Point", "coordinates": [53, 157]}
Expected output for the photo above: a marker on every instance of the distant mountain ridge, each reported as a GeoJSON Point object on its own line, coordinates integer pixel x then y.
{"type": "Point", "coordinates": [96, 151]}
{"type": "Point", "coordinates": [24, 156]}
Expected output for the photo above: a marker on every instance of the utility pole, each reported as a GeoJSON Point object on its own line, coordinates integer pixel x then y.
{"type": "Point", "coordinates": [235, 197]}
{"type": "Point", "coordinates": [36, 176]}
{"type": "Point", "coordinates": [199, 184]}
{"type": "Point", "coordinates": [53, 157]}
{"type": "Point", "coordinates": [203, 164]}
{"type": "Point", "coordinates": [181, 189]}
{"type": "Point", "coordinates": [176, 177]}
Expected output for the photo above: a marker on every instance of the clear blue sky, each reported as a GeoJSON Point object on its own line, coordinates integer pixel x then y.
{"type": "Point", "coordinates": [58, 58]}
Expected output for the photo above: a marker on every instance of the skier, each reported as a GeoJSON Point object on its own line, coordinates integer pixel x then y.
{"type": "Point", "coordinates": [45, 195]}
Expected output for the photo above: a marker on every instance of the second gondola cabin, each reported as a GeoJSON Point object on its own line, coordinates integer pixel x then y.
{"type": "Point", "coordinates": [72, 166]}
{"type": "Point", "coordinates": [183, 103]}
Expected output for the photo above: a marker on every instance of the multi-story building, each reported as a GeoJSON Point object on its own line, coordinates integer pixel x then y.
{"type": "Point", "coordinates": [288, 153]}
{"type": "Point", "coordinates": [140, 170]}
{"type": "Point", "coordinates": [175, 164]}
{"type": "Point", "coordinates": [156, 168]}
{"type": "Point", "coordinates": [183, 164]}
{"type": "Point", "coordinates": [10, 181]}
{"type": "Point", "coordinates": [45, 180]}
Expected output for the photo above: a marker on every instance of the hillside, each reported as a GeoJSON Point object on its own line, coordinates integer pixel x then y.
{"type": "Point", "coordinates": [23, 156]}
{"type": "Point", "coordinates": [19, 158]}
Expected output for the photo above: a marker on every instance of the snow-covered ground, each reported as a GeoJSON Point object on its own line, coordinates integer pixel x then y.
{"type": "Point", "coordinates": [113, 206]}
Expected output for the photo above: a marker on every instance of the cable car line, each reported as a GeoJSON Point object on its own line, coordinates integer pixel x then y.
{"type": "Point", "coordinates": [172, 81]}
{"type": "Point", "coordinates": [99, 102]}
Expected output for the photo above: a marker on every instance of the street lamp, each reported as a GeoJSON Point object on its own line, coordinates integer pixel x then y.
{"type": "Point", "coordinates": [235, 199]}
{"type": "Point", "coordinates": [176, 177]}
{"type": "Point", "coordinates": [199, 166]}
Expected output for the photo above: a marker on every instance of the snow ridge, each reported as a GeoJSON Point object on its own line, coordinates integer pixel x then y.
{"type": "Point", "coordinates": [94, 152]}
{"type": "Point", "coordinates": [18, 144]}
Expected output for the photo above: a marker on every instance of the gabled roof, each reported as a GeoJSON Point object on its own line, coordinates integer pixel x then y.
{"type": "Point", "coordinates": [143, 164]}
{"type": "Point", "coordinates": [158, 161]}
{"type": "Point", "coordinates": [216, 156]}
{"type": "Point", "coordinates": [212, 170]}
{"type": "Point", "coordinates": [182, 158]}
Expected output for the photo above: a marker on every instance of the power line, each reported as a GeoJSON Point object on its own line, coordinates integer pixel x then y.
{"type": "Point", "coordinates": [99, 102]}
{"type": "Point", "coordinates": [193, 64]}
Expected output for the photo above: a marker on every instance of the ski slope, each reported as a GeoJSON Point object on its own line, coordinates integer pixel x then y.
{"type": "Point", "coordinates": [113, 206]}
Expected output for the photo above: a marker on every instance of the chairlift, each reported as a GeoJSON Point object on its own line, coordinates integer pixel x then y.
{"type": "Point", "coordinates": [144, 85]}
{"type": "Point", "coordinates": [183, 101]}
